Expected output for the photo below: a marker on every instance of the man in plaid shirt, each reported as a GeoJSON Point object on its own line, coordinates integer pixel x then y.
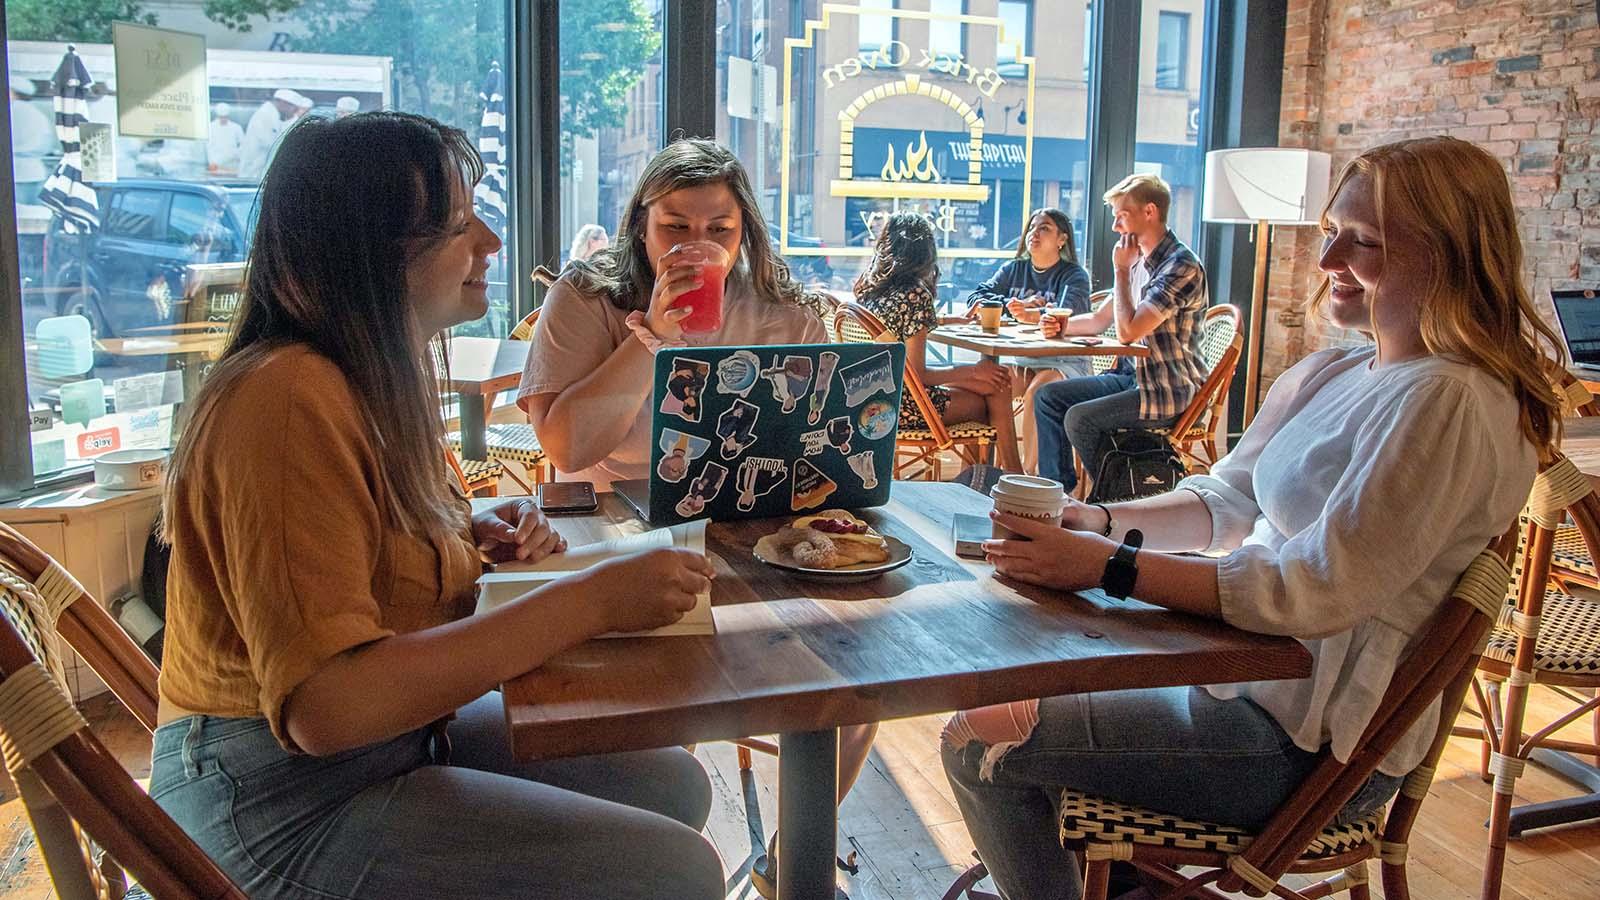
{"type": "Point", "coordinates": [1152, 265]}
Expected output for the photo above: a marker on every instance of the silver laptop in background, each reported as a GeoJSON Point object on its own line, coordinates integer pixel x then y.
{"type": "Point", "coordinates": [1578, 312]}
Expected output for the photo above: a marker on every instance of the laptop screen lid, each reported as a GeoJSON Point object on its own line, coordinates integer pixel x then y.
{"type": "Point", "coordinates": [753, 432]}
{"type": "Point", "coordinates": [1578, 312]}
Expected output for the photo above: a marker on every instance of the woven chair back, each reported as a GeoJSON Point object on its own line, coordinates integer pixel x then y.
{"type": "Point", "coordinates": [77, 796]}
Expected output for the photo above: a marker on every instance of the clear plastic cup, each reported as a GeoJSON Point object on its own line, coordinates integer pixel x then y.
{"type": "Point", "coordinates": [704, 302]}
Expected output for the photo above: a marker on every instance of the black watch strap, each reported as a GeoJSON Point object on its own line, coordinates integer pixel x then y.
{"type": "Point", "coordinates": [1122, 569]}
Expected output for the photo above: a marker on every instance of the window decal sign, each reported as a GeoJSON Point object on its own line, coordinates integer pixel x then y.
{"type": "Point", "coordinates": [939, 89]}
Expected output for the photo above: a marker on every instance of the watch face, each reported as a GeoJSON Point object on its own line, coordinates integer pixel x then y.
{"type": "Point", "coordinates": [1122, 569]}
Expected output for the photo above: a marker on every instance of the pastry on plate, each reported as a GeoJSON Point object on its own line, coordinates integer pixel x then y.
{"type": "Point", "coordinates": [832, 539]}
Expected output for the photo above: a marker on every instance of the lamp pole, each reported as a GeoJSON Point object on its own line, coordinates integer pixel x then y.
{"type": "Point", "coordinates": [1258, 317]}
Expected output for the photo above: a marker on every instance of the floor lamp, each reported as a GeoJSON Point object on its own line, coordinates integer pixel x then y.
{"type": "Point", "coordinates": [1263, 186]}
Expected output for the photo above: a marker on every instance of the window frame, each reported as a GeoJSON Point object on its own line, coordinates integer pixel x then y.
{"type": "Point", "coordinates": [894, 26]}
{"type": "Point", "coordinates": [961, 33]}
{"type": "Point", "coordinates": [533, 164]}
{"type": "Point", "coordinates": [1183, 20]}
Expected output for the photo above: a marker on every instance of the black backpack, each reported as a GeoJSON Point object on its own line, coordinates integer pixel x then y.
{"type": "Point", "coordinates": [1135, 464]}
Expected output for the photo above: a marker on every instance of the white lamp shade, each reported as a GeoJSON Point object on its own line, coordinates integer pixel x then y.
{"type": "Point", "coordinates": [1284, 186]}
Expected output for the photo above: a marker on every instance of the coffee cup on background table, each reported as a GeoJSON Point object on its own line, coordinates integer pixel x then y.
{"type": "Point", "coordinates": [1028, 496]}
{"type": "Point", "coordinates": [989, 313]}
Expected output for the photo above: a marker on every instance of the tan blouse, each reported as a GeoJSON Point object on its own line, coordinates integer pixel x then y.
{"type": "Point", "coordinates": [281, 555]}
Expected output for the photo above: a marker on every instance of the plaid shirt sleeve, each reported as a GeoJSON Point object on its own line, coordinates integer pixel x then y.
{"type": "Point", "coordinates": [1174, 287]}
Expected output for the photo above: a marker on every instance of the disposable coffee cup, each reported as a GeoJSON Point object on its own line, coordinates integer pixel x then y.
{"type": "Point", "coordinates": [1028, 496]}
{"type": "Point", "coordinates": [989, 313]}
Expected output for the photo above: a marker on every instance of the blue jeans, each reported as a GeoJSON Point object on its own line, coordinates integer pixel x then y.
{"type": "Point", "coordinates": [1177, 750]}
{"type": "Point", "coordinates": [1078, 413]}
{"type": "Point", "coordinates": [384, 821]}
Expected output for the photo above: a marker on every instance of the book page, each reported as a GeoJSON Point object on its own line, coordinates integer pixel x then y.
{"type": "Point", "coordinates": [510, 581]}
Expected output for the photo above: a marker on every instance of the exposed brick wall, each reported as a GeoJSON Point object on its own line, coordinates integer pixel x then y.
{"type": "Point", "coordinates": [1520, 78]}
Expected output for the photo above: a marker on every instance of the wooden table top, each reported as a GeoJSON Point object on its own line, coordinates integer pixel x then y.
{"type": "Point", "coordinates": [938, 634]}
{"type": "Point", "coordinates": [480, 365]}
{"type": "Point", "coordinates": [1026, 341]}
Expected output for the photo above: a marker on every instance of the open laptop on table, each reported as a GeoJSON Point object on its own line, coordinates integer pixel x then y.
{"type": "Point", "coordinates": [753, 432]}
{"type": "Point", "coordinates": [1578, 312]}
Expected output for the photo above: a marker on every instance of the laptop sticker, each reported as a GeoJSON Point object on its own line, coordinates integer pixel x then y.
{"type": "Point", "coordinates": [685, 389]}
{"type": "Point", "coordinates": [827, 361]}
{"type": "Point", "coordinates": [758, 475]}
{"type": "Point", "coordinates": [679, 450]}
{"type": "Point", "coordinates": [876, 420]}
{"type": "Point", "coordinates": [839, 434]}
{"type": "Point", "coordinates": [862, 465]}
{"type": "Point", "coordinates": [867, 377]}
{"type": "Point", "coordinates": [811, 488]}
{"type": "Point", "coordinates": [738, 373]}
{"type": "Point", "coordinates": [703, 489]}
{"type": "Point", "coordinates": [790, 381]}
{"type": "Point", "coordinates": [812, 443]}
{"type": "Point", "coordinates": [737, 428]}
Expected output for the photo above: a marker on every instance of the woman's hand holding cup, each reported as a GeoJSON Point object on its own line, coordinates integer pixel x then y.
{"type": "Point", "coordinates": [1051, 322]}
{"type": "Point", "coordinates": [675, 276]}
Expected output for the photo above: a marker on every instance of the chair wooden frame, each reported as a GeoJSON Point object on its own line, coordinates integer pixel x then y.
{"type": "Point", "coordinates": [75, 786]}
{"type": "Point", "coordinates": [1563, 492]}
{"type": "Point", "coordinates": [855, 323]}
{"type": "Point", "coordinates": [1440, 665]}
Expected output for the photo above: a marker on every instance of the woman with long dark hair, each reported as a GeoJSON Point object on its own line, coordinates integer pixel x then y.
{"type": "Point", "coordinates": [899, 286]}
{"type": "Point", "coordinates": [322, 660]}
{"type": "Point", "coordinates": [1045, 277]}
{"type": "Point", "coordinates": [587, 384]}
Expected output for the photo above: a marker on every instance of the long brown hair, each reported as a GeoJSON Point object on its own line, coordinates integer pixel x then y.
{"type": "Point", "coordinates": [346, 206]}
{"type": "Point", "coordinates": [906, 256]}
{"type": "Point", "coordinates": [622, 272]}
{"type": "Point", "coordinates": [1455, 199]}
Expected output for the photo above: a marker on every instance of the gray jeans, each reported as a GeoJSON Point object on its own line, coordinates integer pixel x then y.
{"type": "Point", "coordinates": [1176, 750]}
{"type": "Point", "coordinates": [383, 821]}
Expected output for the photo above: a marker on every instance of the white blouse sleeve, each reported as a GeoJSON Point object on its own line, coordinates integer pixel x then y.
{"type": "Point", "coordinates": [1419, 468]}
{"type": "Point", "coordinates": [1228, 490]}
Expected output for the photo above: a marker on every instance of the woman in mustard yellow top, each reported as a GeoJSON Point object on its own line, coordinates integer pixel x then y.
{"type": "Point", "coordinates": [323, 574]}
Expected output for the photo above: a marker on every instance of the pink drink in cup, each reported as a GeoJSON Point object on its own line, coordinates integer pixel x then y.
{"type": "Point", "coordinates": [705, 302]}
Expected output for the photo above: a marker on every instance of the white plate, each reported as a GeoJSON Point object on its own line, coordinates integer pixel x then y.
{"type": "Point", "coordinates": [899, 555]}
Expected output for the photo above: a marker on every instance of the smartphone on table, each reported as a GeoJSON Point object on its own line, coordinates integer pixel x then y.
{"type": "Point", "coordinates": [566, 498]}
{"type": "Point", "coordinates": [970, 532]}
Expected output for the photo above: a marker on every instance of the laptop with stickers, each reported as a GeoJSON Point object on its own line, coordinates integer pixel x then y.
{"type": "Point", "coordinates": [753, 432]}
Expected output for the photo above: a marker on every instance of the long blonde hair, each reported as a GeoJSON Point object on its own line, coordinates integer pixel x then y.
{"type": "Point", "coordinates": [1454, 197]}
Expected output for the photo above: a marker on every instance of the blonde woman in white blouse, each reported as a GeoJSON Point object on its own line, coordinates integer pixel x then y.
{"type": "Point", "coordinates": [1366, 485]}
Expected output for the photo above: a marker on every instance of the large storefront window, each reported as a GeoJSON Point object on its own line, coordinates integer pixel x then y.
{"type": "Point", "coordinates": [611, 115]}
{"type": "Point", "coordinates": [131, 260]}
{"type": "Point", "coordinates": [954, 117]}
{"type": "Point", "coordinates": [1167, 142]}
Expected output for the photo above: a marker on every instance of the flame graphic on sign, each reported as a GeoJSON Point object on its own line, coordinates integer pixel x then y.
{"type": "Point", "coordinates": [918, 165]}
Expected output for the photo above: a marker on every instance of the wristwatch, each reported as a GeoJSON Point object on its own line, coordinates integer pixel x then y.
{"type": "Point", "coordinates": [1122, 570]}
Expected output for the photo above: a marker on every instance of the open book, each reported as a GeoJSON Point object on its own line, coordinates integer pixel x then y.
{"type": "Point", "coordinates": [511, 580]}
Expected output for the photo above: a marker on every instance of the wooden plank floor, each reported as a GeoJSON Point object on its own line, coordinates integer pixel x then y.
{"type": "Point", "coordinates": [910, 843]}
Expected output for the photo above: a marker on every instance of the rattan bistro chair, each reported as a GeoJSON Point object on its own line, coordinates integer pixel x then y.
{"type": "Point", "coordinates": [1545, 636]}
{"type": "Point", "coordinates": [78, 798]}
{"type": "Point", "coordinates": [1299, 838]}
{"type": "Point", "coordinates": [917, 451]}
